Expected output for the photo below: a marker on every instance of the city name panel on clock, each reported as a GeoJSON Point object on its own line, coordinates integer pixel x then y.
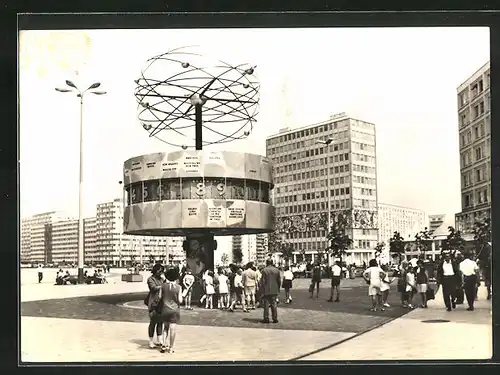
{"type": "Point", "coordinates": [223, 192]}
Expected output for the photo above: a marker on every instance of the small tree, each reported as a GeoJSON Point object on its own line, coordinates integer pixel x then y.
{"type": "Point", "coordinates": [286, 250]}
{"type": "Point", "coordinates": [454, 240]}
{"type": "Point", "coordinates": [237, 255]}
{"type": "Point", "coordinates": [397, 246]}
{"type": "Point", "coordinates": [224, 259]}
{"type": "Point", "coordinates": [422, 240]}
{"type": "Point", "coordinates": [482, 237]}
{"type": "Point", "coordinates": [339, 241]}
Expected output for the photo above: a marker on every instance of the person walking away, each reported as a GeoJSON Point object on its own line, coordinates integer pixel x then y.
{"type": "Point", "coordinates": [270, 284]}
{"type": "Point", "coordinates": [373, 276]}
{"type": "Point", "coordinates": [402, 283]}
{"type": "Point", "coordinates": [316, 279]}
{"type": "Point", "coordinates": [447, 277]}
{"type": "Point", "coordinates": [249, 280]}
{"type": "Point", "coordinates": [385, 286]}
{"type": "Point", "coordinates": [470, 279]}
{"type": "Point", "coordinates": [336, 277]}
{"type": "Point", "coordinates": [411, 286]}
{"type": "Point", "coordinates": [171, 300]}
{"type": "Point", "coordinates": [422, 280]}
{"type": "Point", "coordinates": [459, 294]}
{"type": "Point", "coordinates": [154, 302]}
{"type": "Point", "coordinates": [287, 284]}
{"type": "Point", "coordinates": [204, 287]}
{"type": "Point", "coordinates": [223, 289]}
{"type": "Point", "coordinates": [188, 282]}
{"type": "Point", "coordinates": [40, 273]}
{"type": "Point", "coordinates": [210, 290]}
{"type": "Point", "coordinates": [238, 291]}
{"type": "Point", "coordinates": [258, 276]}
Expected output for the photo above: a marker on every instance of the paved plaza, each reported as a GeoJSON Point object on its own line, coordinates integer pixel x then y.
{"type": "Point", "coordinates": [100, 323]}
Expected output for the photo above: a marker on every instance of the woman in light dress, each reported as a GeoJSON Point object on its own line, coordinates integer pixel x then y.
{"type": "Point", "coordinates": [223, 289]}
{"type": "Point", "coordinates": [373, 276]}
{"type": "Point", "coordinates": [209, 290]}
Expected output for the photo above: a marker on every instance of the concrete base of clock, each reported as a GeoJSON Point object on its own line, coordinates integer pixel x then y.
{"type": "Point", "coordinates": [199, 249]}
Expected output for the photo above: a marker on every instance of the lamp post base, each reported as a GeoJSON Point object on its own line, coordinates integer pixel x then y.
{"type": "Point", "coordinates": [81, 279]}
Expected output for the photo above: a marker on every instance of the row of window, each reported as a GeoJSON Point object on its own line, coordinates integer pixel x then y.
{"type": "Point", "coordinates": [311, 163]}
{"type": "Point", "coordinates": [475, 89]}
{"type": "Point", "coordinates": [466, 137]}
{"type": "Point", "coordinates": [307, 132]}
{"type": "Point", "coordinates": [321, 245]}
{"type": "Point", "coordinates": [477, 110]}
{"type": "Point", "coordinates": [363, 147]}
{"type": "Point", "coordinates": [337, 139]}
{"type": "Point", "coordinates": [364, 180]}
{"type": "Point", "coordinates": [481, 197]}
{"type": "Point", "coordinates": [479, 154]}
{"type": "Point", "coordinates": [479, 176]}
{"type": "Point", "coordinates": [310, 174]}
{"type": "Point", "coordinates": [197, 188]}
{"type": "Point", "coordinates": [313, 207]}
{"type": "Point", "coordinates": [334, 147]}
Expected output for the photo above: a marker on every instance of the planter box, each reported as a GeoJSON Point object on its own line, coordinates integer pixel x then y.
{"type": "Point", "coordinates": [132, 278]}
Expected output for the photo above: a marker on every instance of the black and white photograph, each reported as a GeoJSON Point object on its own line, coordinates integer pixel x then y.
{"type": "Point", "coordinates": [255, 194]}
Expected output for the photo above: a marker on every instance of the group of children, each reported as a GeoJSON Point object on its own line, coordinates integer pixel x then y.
{"type": "Point", "coordinates": [412, 280]}
{"type": "Point", "coordinates": [227, 288]}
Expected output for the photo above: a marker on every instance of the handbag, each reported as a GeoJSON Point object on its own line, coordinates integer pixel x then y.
{"type": "Point", "coordinates": [430, 294]}
{"type": "Point", "coordinates": [146, 300]}
{"type": "Point", "coordinates": [156, 302]}
{"type": "Point", "coordinates": [311, 288]}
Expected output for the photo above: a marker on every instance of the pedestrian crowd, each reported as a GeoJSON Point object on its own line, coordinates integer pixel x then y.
{"type": "Point", "coordinates": [250, 287]}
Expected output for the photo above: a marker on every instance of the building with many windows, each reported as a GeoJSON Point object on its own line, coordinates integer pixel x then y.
{"type": "Point", "coordinates": [252, 247]}
{"type": "Point", "coordinates": [63, 242]}
{"type": "Point", "coordinates": [53, 238]}
{"type": "Point", "coordinates": [474, 126]}
{"type": "Point", "coordinates": [407, 221]}
{"type": "Point", "coordinates": [301, 166]}
{"type": "Point", "coordinates": [35, 233]}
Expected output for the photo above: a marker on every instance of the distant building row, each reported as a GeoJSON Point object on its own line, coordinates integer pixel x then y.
{"type": "Point", "coordinates": [52, 237]}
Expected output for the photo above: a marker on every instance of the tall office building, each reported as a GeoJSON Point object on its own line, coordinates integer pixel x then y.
{"type": "Point", "coordinates": [300, 176]}
{"type": "Point", "coordinates": [474, 119]}
{"type": "Point", "coordinates": [407, 221]}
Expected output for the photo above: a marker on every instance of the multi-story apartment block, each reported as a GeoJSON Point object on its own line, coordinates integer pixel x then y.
{"type": "Point", "coordinates": [252, 247]}
{"type": "Point", "coordinates": [62, 239]}
{"type": "Point", "coordinates": [53, 238]}
{"type": "Point", "coordinates": [300, 163]}
{"type": "Point", "coordinates": [36, 233]}
{"type": "Point", "coordinates": [407, 221]}
{"type": "Point", "coordinates": [474, 119]}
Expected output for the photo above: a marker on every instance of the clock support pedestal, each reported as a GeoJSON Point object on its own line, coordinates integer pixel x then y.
{"type": "Point", "coordinates": [199, 249]}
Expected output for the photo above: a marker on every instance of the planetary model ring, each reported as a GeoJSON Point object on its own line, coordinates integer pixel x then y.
{"type": "Point", "coordinates": [227, 97]}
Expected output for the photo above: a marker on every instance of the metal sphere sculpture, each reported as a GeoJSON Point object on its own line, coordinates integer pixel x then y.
{"type": "Point", "coordinates": [182, 98]}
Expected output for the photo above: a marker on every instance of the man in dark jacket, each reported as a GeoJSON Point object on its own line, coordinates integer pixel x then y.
{"type": "Point", "coordinates": [270, 284]}
{"type": "Point", "coordinates": [448, 276]}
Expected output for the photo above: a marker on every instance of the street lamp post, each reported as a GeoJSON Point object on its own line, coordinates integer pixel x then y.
{"type": "Point", "coordinates": [80, 94]}
{"type": "Point", "coordinates": [120, 261]}
{"type": "Point", "coordinates": [327, 143]}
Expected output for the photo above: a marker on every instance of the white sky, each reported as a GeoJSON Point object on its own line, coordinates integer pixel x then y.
{"type": "Point", "coordinates": [402, 79]}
